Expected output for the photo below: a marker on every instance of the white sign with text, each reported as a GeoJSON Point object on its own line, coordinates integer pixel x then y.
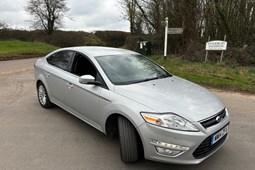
{"type": "Point", "coordinates": [216, 45]}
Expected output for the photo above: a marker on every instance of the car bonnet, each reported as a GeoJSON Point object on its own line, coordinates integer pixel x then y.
{"type": "Point", "coordinates": [174, 95]}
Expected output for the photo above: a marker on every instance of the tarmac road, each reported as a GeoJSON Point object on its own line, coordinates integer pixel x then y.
{"type": "Point", "coordinates": [35, 138]}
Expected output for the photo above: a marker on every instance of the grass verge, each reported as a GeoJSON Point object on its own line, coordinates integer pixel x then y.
{"type": "Point", "coordinates": [18, 49]}
{"type": "Point", "coordinates": [234, 78]}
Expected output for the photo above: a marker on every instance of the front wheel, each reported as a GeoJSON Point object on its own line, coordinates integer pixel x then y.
{"type": "Point", "coordinates": [128, 141]}
{"type": "Point", "coordinates": [43, 97]}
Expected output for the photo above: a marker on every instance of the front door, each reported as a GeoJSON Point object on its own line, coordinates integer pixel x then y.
{"type": "Point", "coordinates": [83, 99]}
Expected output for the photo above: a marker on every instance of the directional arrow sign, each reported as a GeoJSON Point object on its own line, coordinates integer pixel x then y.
{"type": "Point", "coordinates": [175, 30]}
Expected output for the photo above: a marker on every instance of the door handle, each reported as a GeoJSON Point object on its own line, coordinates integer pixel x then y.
{"type": "Point", "coordinates": [69, 85]}
{"type": "Point", "coordinates": [47, 74]}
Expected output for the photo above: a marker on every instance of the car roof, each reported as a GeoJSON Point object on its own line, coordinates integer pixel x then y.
{"type": "Point", "coordinates": [93, 51]}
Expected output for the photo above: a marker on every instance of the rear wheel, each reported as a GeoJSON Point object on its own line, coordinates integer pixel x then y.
{"type": "Point", "coordinates": [43, 97]}
{"type": "Point", "coordinates": [128, 141]}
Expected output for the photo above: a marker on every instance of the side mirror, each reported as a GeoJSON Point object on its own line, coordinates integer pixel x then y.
{"type": "Point", "coordinates": [87, 79]}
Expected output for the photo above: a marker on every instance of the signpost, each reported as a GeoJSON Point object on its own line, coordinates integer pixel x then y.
{"type": "Point", "coordinates": [166, 33]}
{"type": "Point", "coordinates": [170, 31]}
{"type": "Point", "coordinates": [216, 45]}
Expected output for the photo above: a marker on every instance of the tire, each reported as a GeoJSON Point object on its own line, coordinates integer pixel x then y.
{"type": "Point", "coordinates": [128, 141]}
{"type": "Point", "coordinates": [43, 97]}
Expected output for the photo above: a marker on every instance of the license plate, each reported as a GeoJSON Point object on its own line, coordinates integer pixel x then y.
{"type": "Point", "coordinates": [217, 136]}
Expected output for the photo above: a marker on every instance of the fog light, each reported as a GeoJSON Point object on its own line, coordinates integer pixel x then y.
{"type": "Point", "coordinates": [169, 149]}
{"type": "Point", "coordinates": [166, 151]}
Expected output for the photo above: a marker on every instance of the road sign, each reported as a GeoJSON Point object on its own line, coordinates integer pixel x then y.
{"type": "Point", "coordinates": [216, 45]}
{"type": "Point", "coordinates": [175, 30]}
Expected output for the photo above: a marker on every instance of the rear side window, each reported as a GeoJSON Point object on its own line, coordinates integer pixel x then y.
{"type": "Point", "coordinates": [62, 60]}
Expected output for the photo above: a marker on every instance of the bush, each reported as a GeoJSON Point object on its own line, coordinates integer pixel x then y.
{"type": "Point", "coordinates": [65, 39]}
{"type": "Point", "coordinates": [196, 52]}
{"type": "Point", "coordinates": [6, 34]}
{"type": "Point", "coordinates": [93, 40]}
{"type": "Point", "coordinates": [157, 43]}
{"type": "Point", "coordinates": [242, 56]}
{"type": "Point", "coordinates": [132, 43]}
{"type": "Point", "coordinates": [233, 55]}
{"type": "Point", "coordinates": [58, 38]}
{"type": "Point", "coordinates": [112, 38]}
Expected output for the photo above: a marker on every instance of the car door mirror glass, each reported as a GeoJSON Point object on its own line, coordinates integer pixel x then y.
{"type": "Point", "coordinates": [87, 79]}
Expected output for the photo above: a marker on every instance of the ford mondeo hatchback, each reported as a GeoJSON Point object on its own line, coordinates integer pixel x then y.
{"type": "Point", "coordinates": [122, 93]}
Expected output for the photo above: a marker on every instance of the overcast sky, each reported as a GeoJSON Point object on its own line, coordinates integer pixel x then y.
{"type": "Point", "coordinates": [88, 15]}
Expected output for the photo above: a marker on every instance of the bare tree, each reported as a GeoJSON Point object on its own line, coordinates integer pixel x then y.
{"type": "Point", "coordinates": [132, 14]}
{"type": "Point", "coordinates": [198, 18]}
{"type": "Point", "coordinates": [3, 25]}
{"type": "Point", "coordinates": [47, 14]}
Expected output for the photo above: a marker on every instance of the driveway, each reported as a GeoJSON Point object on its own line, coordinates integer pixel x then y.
{"type": "Point", "coordinates": [35, 138]}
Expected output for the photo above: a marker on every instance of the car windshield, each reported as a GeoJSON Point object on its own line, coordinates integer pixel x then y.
{"type": "Point", "coordinates": [128, 69]}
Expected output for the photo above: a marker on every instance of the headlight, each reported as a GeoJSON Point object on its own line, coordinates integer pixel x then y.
{"type": "Point", "coordinates": [169, 120]}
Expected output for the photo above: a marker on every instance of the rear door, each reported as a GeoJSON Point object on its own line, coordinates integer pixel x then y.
{"type": "Point", "coordinates": [58, 68]}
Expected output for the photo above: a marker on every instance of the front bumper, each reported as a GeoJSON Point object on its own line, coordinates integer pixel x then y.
{"type": "Point", "coordinates": [150, 133]}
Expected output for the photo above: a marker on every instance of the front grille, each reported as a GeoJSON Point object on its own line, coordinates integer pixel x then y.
{"type": "Point", "coordinates": [205, 148]}
{"type": "Point", "coordinates": [212, 121]}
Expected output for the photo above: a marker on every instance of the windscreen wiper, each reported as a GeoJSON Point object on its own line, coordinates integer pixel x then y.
{"type": "Point", "coordinates": [148, 79]}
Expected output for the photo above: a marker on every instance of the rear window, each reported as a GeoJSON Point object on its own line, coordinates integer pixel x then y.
{"type": "Point", "coordinates": [62, 60]}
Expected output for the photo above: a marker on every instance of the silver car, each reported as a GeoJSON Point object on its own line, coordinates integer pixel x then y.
{"type": "Point", "coordinates": [124, 94]}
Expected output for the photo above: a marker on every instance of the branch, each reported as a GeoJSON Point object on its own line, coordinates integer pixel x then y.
{"type": "Point", "coordinates": [144, 14]}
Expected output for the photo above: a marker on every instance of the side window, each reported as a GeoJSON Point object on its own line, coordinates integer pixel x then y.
{"type": "Point", "coordinates": [82, 66]}
{"type": "Point", "coordinates": [62, 59]}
